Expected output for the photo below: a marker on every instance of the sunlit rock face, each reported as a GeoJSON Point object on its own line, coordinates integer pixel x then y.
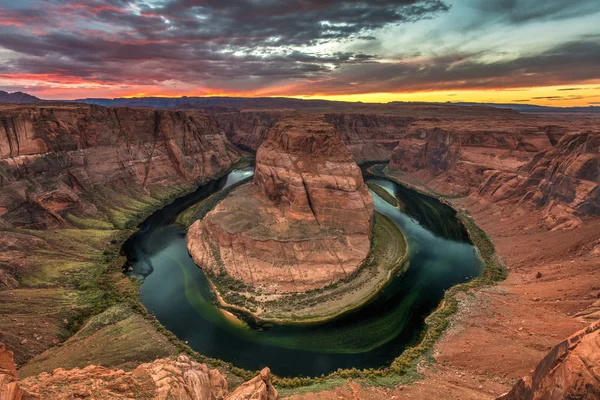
{"type": "Point", "coordinates": [305, 221]}
{"type": "Point", "coordinates": [163, 378]}
{"type": "Point", "coordinates": [571, 370]}
{"type": "Point", "coordinates": [562, 182]}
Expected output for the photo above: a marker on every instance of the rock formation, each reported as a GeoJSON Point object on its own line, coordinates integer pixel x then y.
{"type": "Point", "coordinates": [438, 153]}
{"type": "Point", "coordinates": [9, 388]}
{"type": "Point", "coordinates": [259, 388]}
{"type": "Point", "coordinates": [52, 158]}
{"type": "Point", "coordinates": [571, 370]}
{"type": "Point", "coordinates": [248, 129]}
{"type": "Point", "coordinates": [162, 379]}
{"type": "Point", "coordinates": [563, 181]}
{"type": "Point", "coordinates": [542, 168]}
{"type": "Point", "coordinates": [304, 223]}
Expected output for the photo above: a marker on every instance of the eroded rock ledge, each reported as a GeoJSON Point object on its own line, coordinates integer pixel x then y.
{"type": "Point", "coordinates": [165, 378]}
{"type": "Point", "coordinates": [305, 221]}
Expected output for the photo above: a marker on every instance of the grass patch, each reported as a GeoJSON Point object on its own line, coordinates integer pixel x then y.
{"type": "Point", "coordinates": [88, 223]}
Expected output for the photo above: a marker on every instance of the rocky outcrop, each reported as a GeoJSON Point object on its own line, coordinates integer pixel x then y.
{"type": "Point", "coordinates": [53, 158]}
{"type": "Point", "coordinates": [163, 379]}
{"type": "Point", "coordinates": [259, 388]}
{"type": "Point", "coordinates": [248, 129]}
{"type": "Point", "coordinates": [305, 221]}
{"type": "Point", "coordinates": [571, 370]}
{"type": "Point", "coordinates": [564, 181]}
{"type": "Point", "coordinates": [9, 388]}
{"type": "Point", "coordinates": [438, 153]}
{"type": "Point", "coordinates": [513, 163]}
{"type": "Point", "coordinates": [305, 169]}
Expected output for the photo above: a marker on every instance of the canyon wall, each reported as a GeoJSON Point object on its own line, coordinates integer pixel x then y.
{"type": "Point", "coordinates": [370, 137]}
{"type": "Point", "coordinates": [57, 161]}
{"type": "Point", "coordinates": [563, 182]}
{"type": "Point", "coordinates": [536, 163]}
{"type": "Point", "coordinates": [305, 221]}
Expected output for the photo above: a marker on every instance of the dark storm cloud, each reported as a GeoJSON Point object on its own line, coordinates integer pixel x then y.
{"type": "Point", "coordinates": [290, 22]}
{"type": "Point", "coordinates": [248, 45]}
{"type": "Point", "coordinates": [134, 41]}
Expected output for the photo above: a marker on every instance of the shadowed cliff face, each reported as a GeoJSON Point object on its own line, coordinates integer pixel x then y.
{"type": "Point", "coordinates": [305, 222]}
{"type": "Point", "coordinates": [52, 159]}
{"type": "Point", "coordinates": [370, 137]}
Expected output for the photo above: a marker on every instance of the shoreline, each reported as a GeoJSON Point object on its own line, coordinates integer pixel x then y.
{"type": "Point", "coordinates": [344, 284]}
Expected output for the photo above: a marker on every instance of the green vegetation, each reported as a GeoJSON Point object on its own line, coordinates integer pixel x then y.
{"type": "Point", "coordinates": [88, 223]}
{"type": "Point", "coordinates": [384, 194]}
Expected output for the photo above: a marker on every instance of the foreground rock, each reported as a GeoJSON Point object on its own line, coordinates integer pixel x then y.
{"type": "Point", "coordinates": [305, 221]}
{"type": "Point", "coordinates": [181, 379]}
{"type": "Point", "coordinates": [570, 371]}
{"type": "Point", "coordinates": [9, 388]}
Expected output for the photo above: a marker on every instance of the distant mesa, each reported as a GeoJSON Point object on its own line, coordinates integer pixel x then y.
{"type": "Point", "coordinates": [18, 97]}
{"type": "Point", "coordinates": [302, 224]}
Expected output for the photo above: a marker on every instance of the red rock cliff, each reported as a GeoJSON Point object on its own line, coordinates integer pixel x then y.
{"type": "Point", "coordinates": [52, 157]}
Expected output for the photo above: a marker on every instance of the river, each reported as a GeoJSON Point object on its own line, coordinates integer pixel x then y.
{"type": "Point", "coordinates": [175, 290]}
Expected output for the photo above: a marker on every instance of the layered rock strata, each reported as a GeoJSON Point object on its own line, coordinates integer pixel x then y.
{"type": "Point", "coordinates": [563, 182]}
{"type": "Point", "coordinates": [53, 158]}
{"type": "Point", "coordinates": [551, 171]}
{"type": "Point", "coordinates": [305, 221]}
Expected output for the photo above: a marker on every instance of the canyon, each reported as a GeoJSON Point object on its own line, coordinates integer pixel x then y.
{"type": "Point", "coordinates": [75, 179]}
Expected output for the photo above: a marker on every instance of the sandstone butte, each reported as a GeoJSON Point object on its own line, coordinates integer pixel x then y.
{"type": "Point", "coordinates": [163, 379]}
{"type": "Point", "coordinates": [303, 223]}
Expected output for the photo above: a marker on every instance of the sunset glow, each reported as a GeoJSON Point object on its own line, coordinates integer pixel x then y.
{"type": "Point", "coordinates": [526, 52]}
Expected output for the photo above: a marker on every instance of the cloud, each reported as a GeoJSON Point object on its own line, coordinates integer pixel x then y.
{"type": "Point", "coordinates": [278, 47]}
{"type": "Point", "coordinates": [143, 42]}
{"type": "Point", "coordinates": [572, 62]}
{"type": "Point", "coordinates": [523, 11]}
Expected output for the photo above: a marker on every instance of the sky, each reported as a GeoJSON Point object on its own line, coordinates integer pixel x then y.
{"type": "Point", "coordinates": [506, 51]}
